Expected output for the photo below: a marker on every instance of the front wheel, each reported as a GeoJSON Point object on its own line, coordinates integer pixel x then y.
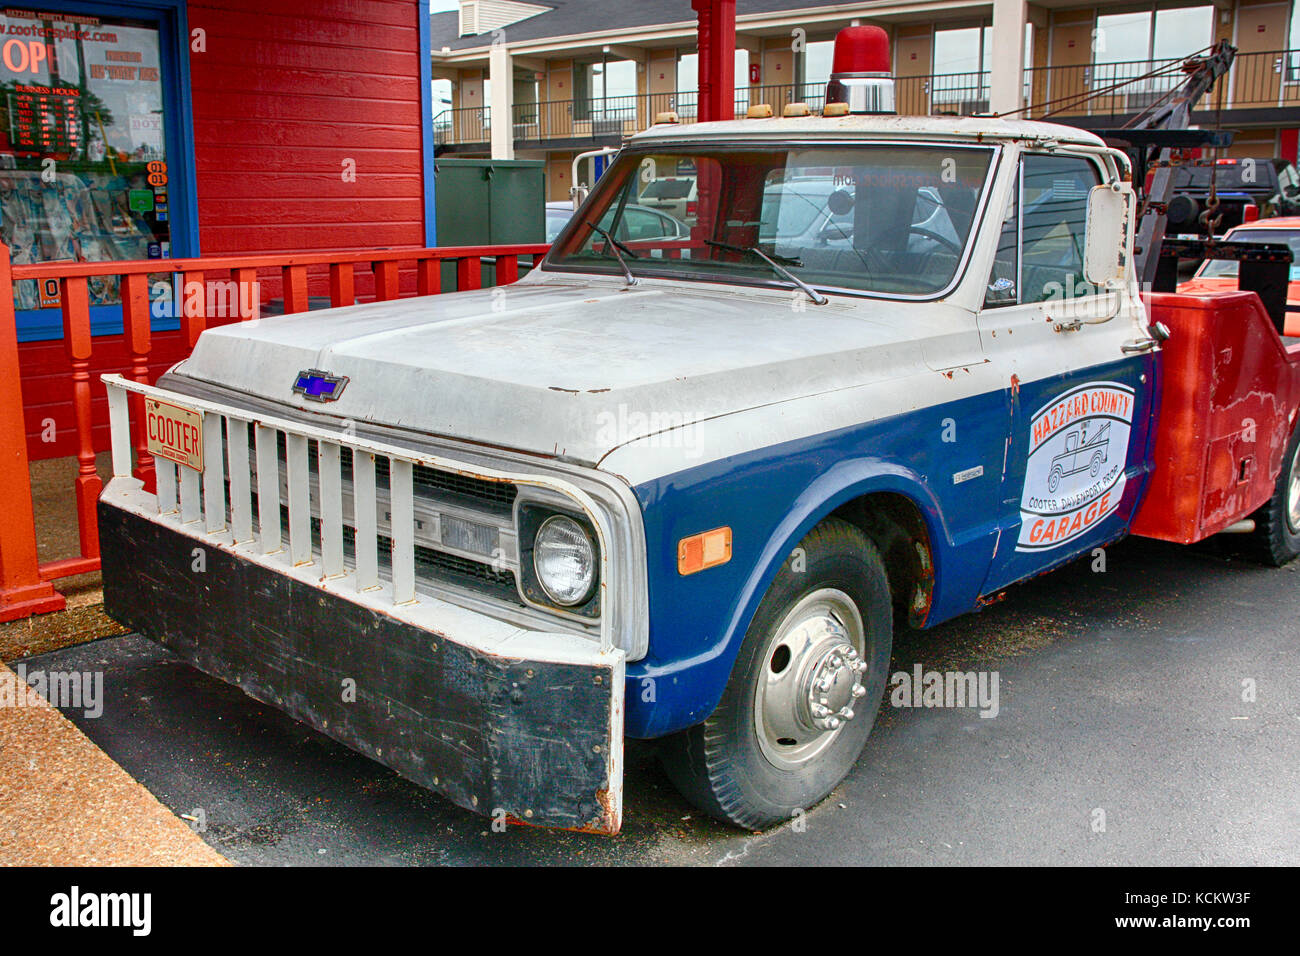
{"type": "Point", "coordinates": [804, 691]}
{"type": "Point", "coordinates": [1276, 539]}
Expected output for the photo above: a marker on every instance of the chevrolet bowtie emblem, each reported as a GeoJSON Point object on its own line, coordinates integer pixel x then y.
{"type": "Point", "coordinates": [317, 386]}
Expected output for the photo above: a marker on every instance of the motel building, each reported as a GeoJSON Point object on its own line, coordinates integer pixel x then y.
{"type": "Point", "coordinates": [576, 75]}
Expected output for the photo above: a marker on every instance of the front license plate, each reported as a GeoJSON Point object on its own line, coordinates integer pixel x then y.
{"type": "Point", "coordinates": [174, 433]}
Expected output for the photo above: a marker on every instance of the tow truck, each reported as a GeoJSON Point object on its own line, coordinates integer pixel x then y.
{"type": "Point", "coordinates": [687, 489]}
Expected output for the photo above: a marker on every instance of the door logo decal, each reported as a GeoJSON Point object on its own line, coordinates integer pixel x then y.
{"type": "Point", "coordinates": [1078, 447]}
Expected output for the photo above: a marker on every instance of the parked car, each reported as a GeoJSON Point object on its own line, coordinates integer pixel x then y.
{"type": "Point", "coordinates": [1216, 275]}
{"type": "Point", "coordinates": [1238, 183]}
{"type": "Point", "coordinates": [638, 224]}
{"type": "Point", "coordinates": [671, 194]}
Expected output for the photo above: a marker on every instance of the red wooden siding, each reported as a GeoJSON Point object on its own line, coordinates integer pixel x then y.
{"type": "Point", "coordinates": [47, 387]}
{"type": "Point", "coordinates": [284, 94]}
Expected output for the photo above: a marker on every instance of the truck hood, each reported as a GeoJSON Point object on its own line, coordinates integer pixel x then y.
{"type": "Point", "coordinates": [576, 369]}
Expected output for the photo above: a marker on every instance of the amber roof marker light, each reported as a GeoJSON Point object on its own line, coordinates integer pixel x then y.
{"type": "Point", "coordinates": [861, 74]}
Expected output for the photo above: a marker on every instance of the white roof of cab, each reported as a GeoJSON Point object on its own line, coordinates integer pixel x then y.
{"type": "Point", "coordinates": [947, 128]}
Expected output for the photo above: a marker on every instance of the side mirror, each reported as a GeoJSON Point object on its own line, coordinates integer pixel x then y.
{"type": "Point", "coordinates": [1109, 237]}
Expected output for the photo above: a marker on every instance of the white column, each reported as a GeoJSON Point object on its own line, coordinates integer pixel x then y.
{"type": "Point", "coordinates": [501, 71]}
{"type": "Point", "coordinates": [1006, 80]}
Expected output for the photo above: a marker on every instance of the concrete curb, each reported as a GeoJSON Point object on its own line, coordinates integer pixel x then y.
{"type": "Point", "coordinates": [64, 802]}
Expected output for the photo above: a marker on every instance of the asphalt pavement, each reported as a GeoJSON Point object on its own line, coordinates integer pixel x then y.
{"type": "Point", "coordinates": [1148, 713]}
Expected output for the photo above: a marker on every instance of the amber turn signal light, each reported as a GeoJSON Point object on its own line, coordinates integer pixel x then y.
{"type": "Point", "coordinates": [707, 549]}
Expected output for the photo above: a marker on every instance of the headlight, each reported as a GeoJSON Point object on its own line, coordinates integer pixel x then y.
{"type": "Point", "coordinates": [564, 559]}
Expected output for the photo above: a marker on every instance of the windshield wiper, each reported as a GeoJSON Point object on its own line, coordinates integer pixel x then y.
{"type": "Point", "coordinates": [812, 293]}
{"type": "Point", "coordinates": [614, 246]}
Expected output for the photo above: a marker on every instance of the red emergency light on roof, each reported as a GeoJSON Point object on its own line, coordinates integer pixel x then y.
{"type": "Point", "coordinates": [861, 50]}
{"type": "Point", "coordinates": [860, 74]}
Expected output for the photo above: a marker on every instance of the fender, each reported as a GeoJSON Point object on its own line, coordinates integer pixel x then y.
{"type": "Point", "coordinates": [698, 622]}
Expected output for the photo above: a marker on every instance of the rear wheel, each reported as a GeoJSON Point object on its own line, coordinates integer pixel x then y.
{"type": "Point", "coordinates": [1276, 539]}
{"type": "Point", "coordinates": [804, 691]}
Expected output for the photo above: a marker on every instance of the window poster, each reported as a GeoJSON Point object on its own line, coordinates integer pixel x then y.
{"type": "Point", "coordinates": [83, 160]}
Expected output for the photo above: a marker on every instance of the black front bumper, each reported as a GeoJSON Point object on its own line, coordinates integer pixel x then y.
{"type": "Point", "coordinates": [529, 739]}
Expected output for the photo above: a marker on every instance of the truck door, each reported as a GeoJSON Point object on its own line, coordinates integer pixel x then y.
{"type": "Point", "coordinates": [1079, 375]}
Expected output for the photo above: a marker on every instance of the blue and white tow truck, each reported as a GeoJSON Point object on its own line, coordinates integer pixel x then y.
{"type": "Point", "coordinates": [688, 488]}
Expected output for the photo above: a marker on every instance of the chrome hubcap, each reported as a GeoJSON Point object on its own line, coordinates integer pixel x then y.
{"type": "Point", "coordinates": [1293, 494]}
{"type": "Point", "coordinates": [812, 678]}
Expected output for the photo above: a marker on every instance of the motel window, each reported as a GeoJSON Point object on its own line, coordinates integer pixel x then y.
{"type": "Point", "coordinates": [606, 91]}
{"type": "Point", "coordinates": [688, 83]}
{"type": "Point", "coordinates": [1127, 45]}
{"type": "Point", "coordinates": [1293, 44]}
{"type": "Point", "coordinates": [84, 172]}
{"type": "Point", "coordinates": [817, 65]}
{"type": "Point", "coordinates": [442, 99]}
{"type": "Point", "coordinates": [963, 60]}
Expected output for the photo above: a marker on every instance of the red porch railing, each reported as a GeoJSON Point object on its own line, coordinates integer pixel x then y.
{"type": "Point", "coordinates": [25, 582]}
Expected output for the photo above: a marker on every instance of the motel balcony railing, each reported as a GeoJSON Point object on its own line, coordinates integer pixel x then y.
{"type": "Point", "coordinates": [1257, 81]}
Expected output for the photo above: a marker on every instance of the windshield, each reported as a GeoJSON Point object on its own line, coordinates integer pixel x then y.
{"type": "Point", "coordinates": [1227, 269]}
{"type": "Point", "coordinates": [888, 219]}
{"type": "Point", "coordinates": [667, 189]}
{"type": "Point", "coordinates": [1245, 176]}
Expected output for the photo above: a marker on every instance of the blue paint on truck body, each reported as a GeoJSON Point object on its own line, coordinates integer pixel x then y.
{"type": "Point", "coordinates": [772, 497]}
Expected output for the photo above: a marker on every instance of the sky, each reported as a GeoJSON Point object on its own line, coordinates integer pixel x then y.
{"type": "Point", "coordinates": [442, 6]}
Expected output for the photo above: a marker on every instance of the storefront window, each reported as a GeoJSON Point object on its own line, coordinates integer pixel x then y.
{"type": "Point", "coordinates": [83, 156]}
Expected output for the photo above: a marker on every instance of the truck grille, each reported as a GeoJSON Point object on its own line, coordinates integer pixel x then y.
{"type": "Point", "coordinates": [498, 495]}
{"type": "Point", "coordinates": [432, 567]}
{"type": "Point", "coordinates": [464, 527]}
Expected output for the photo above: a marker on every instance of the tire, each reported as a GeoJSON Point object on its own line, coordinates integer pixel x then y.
{"type": "Point", "coordinates": [1096, 465]}
{"type": "Point", "coordinates": [759, 759]}
{"type": "Point", "coordinates": [1276, 538]}
{"type": "Point", "coordinates": [1054, 479]}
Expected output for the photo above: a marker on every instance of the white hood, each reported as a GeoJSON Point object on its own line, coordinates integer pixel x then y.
{"type": "Point", "coordinates": [575, 368]}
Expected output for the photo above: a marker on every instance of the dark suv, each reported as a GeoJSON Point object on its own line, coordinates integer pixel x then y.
{"type": "Point", "coordinates": [1237, 184]}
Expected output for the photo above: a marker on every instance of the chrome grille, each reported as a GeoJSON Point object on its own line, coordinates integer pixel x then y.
{"type": "Point", "coordinates": [480, 511]}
